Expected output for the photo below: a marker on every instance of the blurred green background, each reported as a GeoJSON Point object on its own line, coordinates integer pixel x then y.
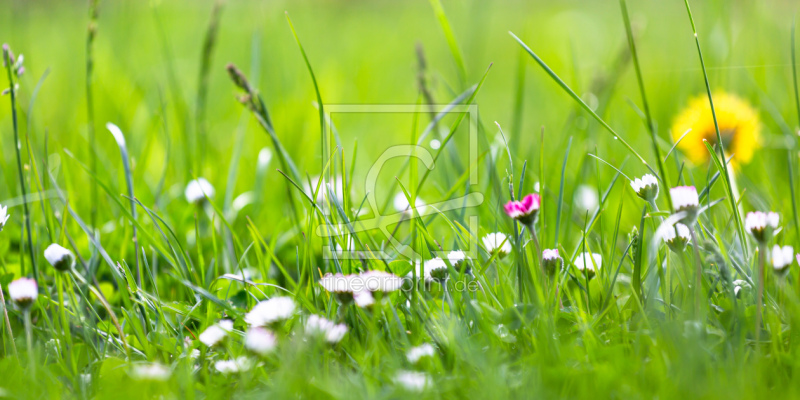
{"type": "Point", "coordinates": [363, 52]}
{"type": "Point", "coordinates": [147, 63]}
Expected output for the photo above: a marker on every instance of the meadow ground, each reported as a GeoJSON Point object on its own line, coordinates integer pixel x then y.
{"type": "Point", "coordinates": [211, 199]}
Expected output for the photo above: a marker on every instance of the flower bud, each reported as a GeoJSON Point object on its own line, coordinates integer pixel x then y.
{"type": "Point", "coordinates": [586, 262]}
{"type": "Point", "coordinates": [23, 292]}
{"type": "Point", "coordinates": [677, 237]}
{"type": "Point", "coordinates": [59, 257]}
{"type": "Point", "coordinates": [524, 211]}
{"type": "Point", "coordinates": [685, 199]}
{"type": "Point", "coordinates": [646, 187]}
{"type": "Point", "coordinates": [497, 243]}
{"type": "Point", "coordinates": [551, 261]}
{"type": "Point", "coordinates": [761, 225]}
{"type": "Point", "coordinates": [782, 258]}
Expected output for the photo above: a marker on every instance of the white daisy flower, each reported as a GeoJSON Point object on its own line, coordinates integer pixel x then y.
{"type": "Point", "coordinates": [260, 341]}
{"type": "Point", "coordinates": [59, 257]}
{"type": "Point", "coordinates": [761, 225]}
{"type": "Point", "coordinates": [551, 260]}
{"type": "Point", "coordinates": [23, 292]}
{"type": "Point", "coordinates": [740, 287]}
{"type": "Point", "coordinates": [646, 187]}
{"type": "Point", "coordinates": [434, 270]}
{"type": "Point", "coordinates": [423, 350]}
{"type": "Point", "coordinates": [586, 198]}
{"type": "Point", "coordinates": [197, 190]}
{"type": "Point", "coordinates": [401, 204]}
{"type": "Point", "coordinates": [85, 379]}
{"type": "Point", "coordinates": [685, 199]}
{"type": "Point", "coordinates": [782, 258]}
{"type": "Point", "coordinates": [584, 262]}
{"type": "Point", "coordinates": [264, 157]}
{"type": "Point", "coordinates": [412, 381]}
{"type": "Point", "coordinates": [350, 246]}
{"type": "Point", "coordinates": [343, 287]}
{"type": "Point", "coordinates": [150, 372]}
{"type": "Point", "coordinates": [333, 333]}
{"type": "Point", "coordinates": [456, 257]}
{"type": "Point", "coordinates": [380, 281]}
{"type": "Point", "coordinates": [497, 242]}
{"type": "Point", "coordinates": [550, 254]}
{"type": "Point", "coordinates": [336, 283]}
{"type": "Point", "coordinates": [363, 299]}
{"type": "Point", "coordinates": [677, 237]}
{"type": "Point", "coordinates": [3, 217]}
{"type": "Point", "coordinates": [270, 311]}
{"type": "Point", "coordinates": [216, 333]}
{"type": "Point", "coordinates": [234, 366]}
{"type": "Point", "coordinates": [325, 189]}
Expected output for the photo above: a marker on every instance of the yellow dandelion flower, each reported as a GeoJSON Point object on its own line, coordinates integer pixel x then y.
{"type": "Point", "coordinates": [739, 127]}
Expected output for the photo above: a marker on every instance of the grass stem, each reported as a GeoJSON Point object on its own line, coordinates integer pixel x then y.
{"type": "Point", "coordinates": [90, 36]}
{"type": "Point", "coordinates": [650, 123]}
{"type": "Point", "coordinates": [762, 257]}
{"type": "Point", "coordinates": [720, 145]}
{"type": "Point", "coordinates": [8, 323]}
{"type": "Point", "coordinates": [17, 148]}
{"type": "Point", "coordinates": [29, 340]}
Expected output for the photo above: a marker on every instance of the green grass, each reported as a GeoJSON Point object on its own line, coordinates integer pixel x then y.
{"type": "Point", "coordinates": [152, 271]}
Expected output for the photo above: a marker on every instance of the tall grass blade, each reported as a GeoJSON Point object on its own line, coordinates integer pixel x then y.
{"type": "Point", "coordinates": [719, 144]}
{"type": "Point", "coordinates": [438, 10]}
{"type": "Point", "coordinates": [202, 83]}
{"type": "Point", "coordinates": [580, 101]}
{"type": "Point", "coordinates": [17, 147]}
{"type": "Point", "coordinates": [126, 164]}
{"type": "Point", "coordinates": [560, 202]}
{"type": "Point", "coordinates": [91, 33]}
{"type": "Point", "coordinates": [650, 123]}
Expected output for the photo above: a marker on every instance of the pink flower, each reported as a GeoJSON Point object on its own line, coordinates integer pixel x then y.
{"type": "Point", "coordinates": [525, 211]}
{"type": "Point", "coordinates": [550, 254]}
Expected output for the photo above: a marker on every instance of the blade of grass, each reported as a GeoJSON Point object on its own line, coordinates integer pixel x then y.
{"type": "Point", "coordinates": [580, 101]}
{"type": "Point", "coordinates": [610, 165]}
{"type": "Point", "coordinates": [453, 129]}
{"type": "Point", "coordinates": [789, 154]}
{"type": "Point", "coordinates": [794, 70]}
{"type": "Point", "coordinates": [637, 257]}
{"type": "Point", "coordinates": [561, 193]}
{"type": "Point", "coordinates": [126, 164]}
{"type": "Point", "coordinates": [666, 157]}
{"type": "Point", "coordinates": [438, 10]}
{"type": "Point", "coordinates": [17, 147]}
{"type": "Point", "coordinates": [91, 33]}
{"type": "Point", "coordinates": [48, 218]}
{"type": "Point", "coordinates": [323, 136]}
{"type": "Point", "coordinates": [650, 123]}
{"type": "Point", "coordinates": [202, 83]}
{"type": "Point", "coordinates": [719, 144]}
